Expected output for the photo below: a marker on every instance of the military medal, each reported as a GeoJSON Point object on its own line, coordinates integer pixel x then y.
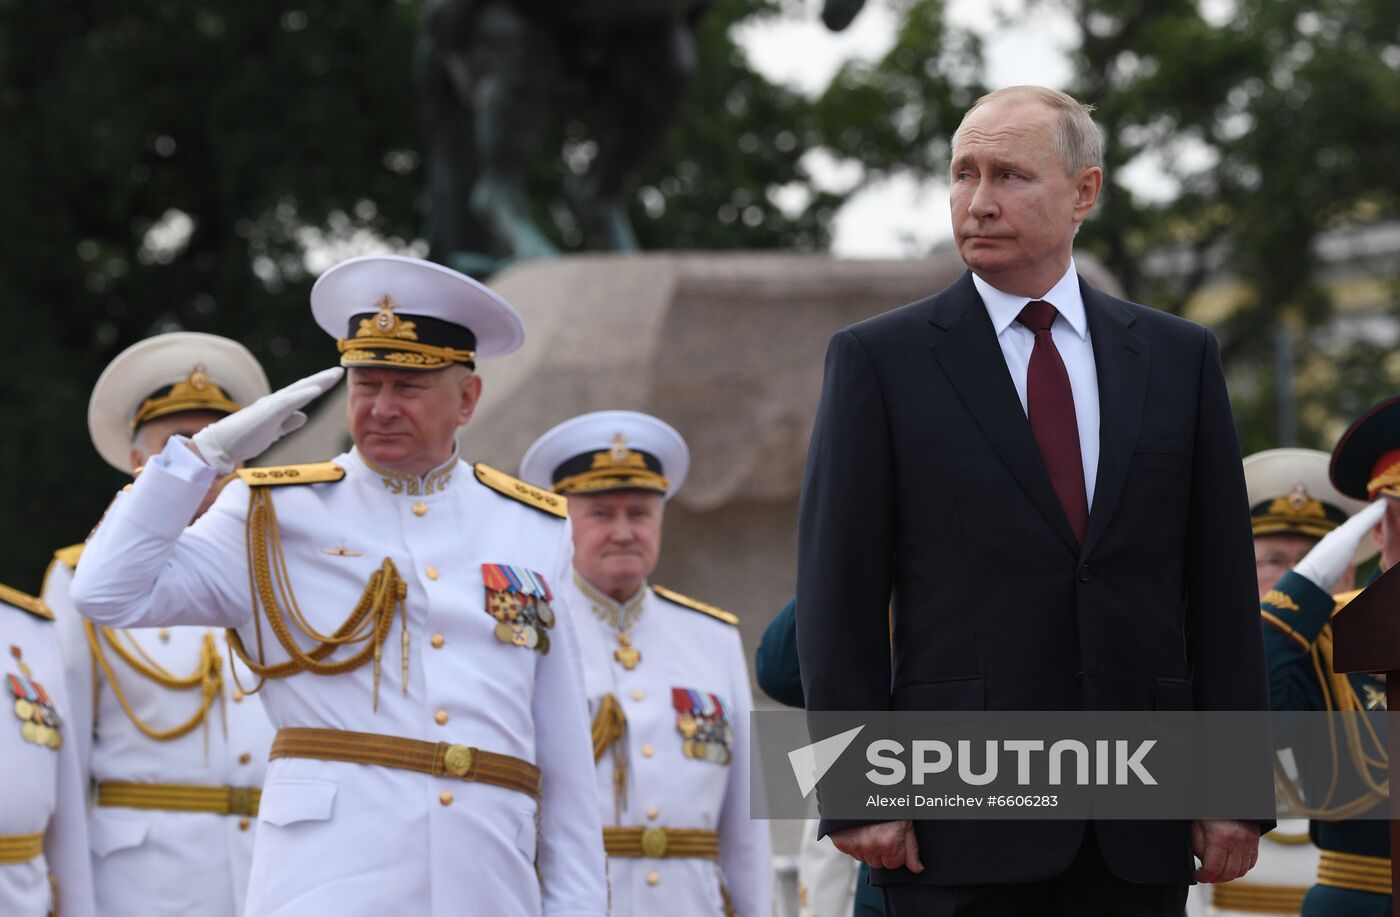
{"type": "Point", "coordinates": [39, 719]}
{"type": "Point", "coordinates": [519, 601]}
{"type": "Point", "coordinates": [703, 720]}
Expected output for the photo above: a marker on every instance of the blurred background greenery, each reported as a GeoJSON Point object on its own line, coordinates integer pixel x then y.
{"type": "Point", "coordinates": [191, 164]}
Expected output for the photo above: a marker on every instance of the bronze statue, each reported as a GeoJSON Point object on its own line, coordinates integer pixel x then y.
{"type": "Point", "coordinates": [493, 73]}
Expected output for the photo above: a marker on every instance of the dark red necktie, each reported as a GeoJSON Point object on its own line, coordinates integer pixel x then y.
{"type": "Point", "coordinates": [1050, 406]}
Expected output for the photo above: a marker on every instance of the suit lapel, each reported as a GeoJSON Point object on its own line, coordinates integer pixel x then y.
{"type": "Point", "coordinates": [966, 347]}
{"type": "Point", "coordinates": [1120, 358]}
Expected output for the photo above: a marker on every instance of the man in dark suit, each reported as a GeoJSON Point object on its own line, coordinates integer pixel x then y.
{"type": "Point", "coordinates": [1044, 484]}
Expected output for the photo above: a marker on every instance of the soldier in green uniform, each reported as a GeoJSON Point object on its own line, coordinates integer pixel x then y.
{"type": "Point", "coordinates": [1354, 871]}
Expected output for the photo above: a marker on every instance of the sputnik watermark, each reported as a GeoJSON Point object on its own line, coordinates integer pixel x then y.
{"type": "Point", "coordinates": [1114, 763]}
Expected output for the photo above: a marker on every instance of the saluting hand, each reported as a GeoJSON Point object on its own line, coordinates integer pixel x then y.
{"type": "Point", "coordinates": [1329, 558]}
{"type": "Point", "coordinates": [247, 433]}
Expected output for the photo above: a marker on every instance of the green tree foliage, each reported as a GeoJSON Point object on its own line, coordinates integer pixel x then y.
{"type": "Point", "coordinates": [1278, 121]}
{"type": "Point", "coordinates": [188, 164]}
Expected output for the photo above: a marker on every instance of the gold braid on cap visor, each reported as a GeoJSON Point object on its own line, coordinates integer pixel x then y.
{"type": "Point", "coordinates": [615, 469]}
{"type": "Point", "coordinates": [196, 392]}
{"type": "Point", "coordinates": [1298, 513]}
{"type": "Point", "coordinates": [1387, 482]}
{"type": "Point", "coordinates": [402, 354]}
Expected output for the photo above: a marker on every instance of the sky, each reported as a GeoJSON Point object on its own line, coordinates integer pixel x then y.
{"type": "Point", "coordinates": [901, 217]}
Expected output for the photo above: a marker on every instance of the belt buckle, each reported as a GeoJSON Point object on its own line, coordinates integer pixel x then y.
{"type": "Point", "coordinates": [242, 801]}
{"type": "Point", "coordinates": [654, 842]}
{"type": "Point", "coordinates": [458, 760]}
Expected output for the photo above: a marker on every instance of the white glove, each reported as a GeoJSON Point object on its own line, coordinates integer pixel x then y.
{"type": "Point", "coordinates": [1329, 559]}
{"type": "Point", "coordinates": [247, 433]}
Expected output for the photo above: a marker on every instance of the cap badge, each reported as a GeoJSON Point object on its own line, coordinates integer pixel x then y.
{"type": "Point", "coordinates": [386, 324]}
{"type": "Point", "coordinates": [619, 449]}
{"type": "Point", "coordinates": [1298, 504]}
{"type": "Point", "coordinates": [199, 379]}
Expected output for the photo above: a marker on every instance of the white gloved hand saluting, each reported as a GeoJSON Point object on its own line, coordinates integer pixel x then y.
{"type": "Point", "coordinates": [248, 432]}
{"type": "Point", "coordinates": [1329, 559]}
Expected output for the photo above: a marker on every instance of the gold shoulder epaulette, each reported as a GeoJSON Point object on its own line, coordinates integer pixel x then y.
{"type": "Point", "coordinates": [516, 489]}
{"type": "Point", "coordinates": [273, 475]}
{"type": "Point", "coordinates": [693, 605]}
{"type": "Point", "coordinates": [25, 601]}
{"type": "Point", "coordinates": [1343, 598]}
{"type": "Point", "coordinates": [69, 556]}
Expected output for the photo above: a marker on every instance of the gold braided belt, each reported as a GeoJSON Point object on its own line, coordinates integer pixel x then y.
{"type": "Point", "coordinates": [1258, 898]}
{"type": "Point", "coordinates": [661, 843]}
{"type": "Point", "coordinates": [181, 797]}
{"type": "Point", "coordinates": [441, 759]}
{"type": "Point", "coordinates": [1354, 871]}
{"type": "Point", "coordinates": [20, 848]}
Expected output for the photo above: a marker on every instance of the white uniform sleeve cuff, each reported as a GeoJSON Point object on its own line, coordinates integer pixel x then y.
{"type": "Point", "coordinates": [178, 460]}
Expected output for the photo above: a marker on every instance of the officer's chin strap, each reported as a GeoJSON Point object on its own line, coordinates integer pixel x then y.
{"type": "Point", "coordinates": [271, 589]}
{"type": "Point", "coordinates": [609, 728]}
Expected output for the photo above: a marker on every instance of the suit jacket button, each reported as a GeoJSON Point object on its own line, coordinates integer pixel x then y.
{"type": "Point", "coordinates": [1084, 573]}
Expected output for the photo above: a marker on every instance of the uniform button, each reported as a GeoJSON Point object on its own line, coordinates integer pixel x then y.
{"type": "Point", "coordinates": [244, 758]}
{"type": "Point", "coordinates": [432, 573]}
{"type": "Point", "coordinates": [653, 813]}
{"type": "Point", "coordinates": [437, 641]}
{"type": "Point", "coordinates": [653, 878]}
{"type": "Point", "coordinates": [647, 750]}
{"type": "Point", "coordinates": [441, 717]}
{"type": "Point", "coordinates": [420, 508]}
{"type": "Point", "coordinates": [1084, 573]}
{"type": "Point", "coordinates": [445, 797]}
{"type": "Point", "coordinates": [244, 824]}
{"type": "Point", "coordinates": [638, 694]}
{"type": "Point", "coordinates": [237, 696]}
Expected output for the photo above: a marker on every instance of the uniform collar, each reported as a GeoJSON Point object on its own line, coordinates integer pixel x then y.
{"type": "Point", "coordinates": [620, 615]}
{"type": "Point", "coordinates": [408, 485]}
{"type": "Point", "coordinates": [1064, 296]}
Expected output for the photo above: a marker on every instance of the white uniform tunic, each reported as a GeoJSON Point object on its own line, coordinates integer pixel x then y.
{"type": "Point", "coordinates": [150, 863]}
{"type": "Point", "coordinates": [352, 839]}
{"type": "Point", "coordinates": [40, 791]}
{"type": "Point", "coordinates": [687, 651]}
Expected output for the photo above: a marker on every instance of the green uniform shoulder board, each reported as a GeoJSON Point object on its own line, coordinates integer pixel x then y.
{"type": "Point", "coordinates": [274, 475]}
{"type": "Point", "coordinates": [692, 604]}
{"type": "Point", "coordinates": [69, 556]}
{"type": "Point", "coordinates": [516, 489]}
{"type": "Point", "coordinates": [26, 602]}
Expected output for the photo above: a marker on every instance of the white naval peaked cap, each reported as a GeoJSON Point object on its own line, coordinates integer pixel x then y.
{"type": "Point", "coordinates": [606, 451]}
{"type": "Point", "coordinates": [407, 313]}
{"type": "Point", "coordinates": [1290, 492]}
{"type": "Point", "coordinates": [169, 374]}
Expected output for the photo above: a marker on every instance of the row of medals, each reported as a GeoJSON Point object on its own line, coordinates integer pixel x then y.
{"type": "Point", "coordinates": [41, 723]}
{"type": "Point", "coordinates": [709, 744]}
{"type": "Point", "coordinates": [516, 619]}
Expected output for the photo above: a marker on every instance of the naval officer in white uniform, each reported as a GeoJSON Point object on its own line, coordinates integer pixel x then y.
{"type": "Point", "coordinates": [403, 612]}
{"type": "Point", "coordinates": [666, 678]}
{"type": "Point", "coordinates": [160, 727]}
{"type": "Point", "coordinates": [44, 866]}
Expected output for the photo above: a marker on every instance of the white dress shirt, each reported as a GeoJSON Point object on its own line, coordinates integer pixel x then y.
{"type": "Point", "coordinates": [1071, 335]}
{"type": "Point", "coordinates": [353, 839]}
